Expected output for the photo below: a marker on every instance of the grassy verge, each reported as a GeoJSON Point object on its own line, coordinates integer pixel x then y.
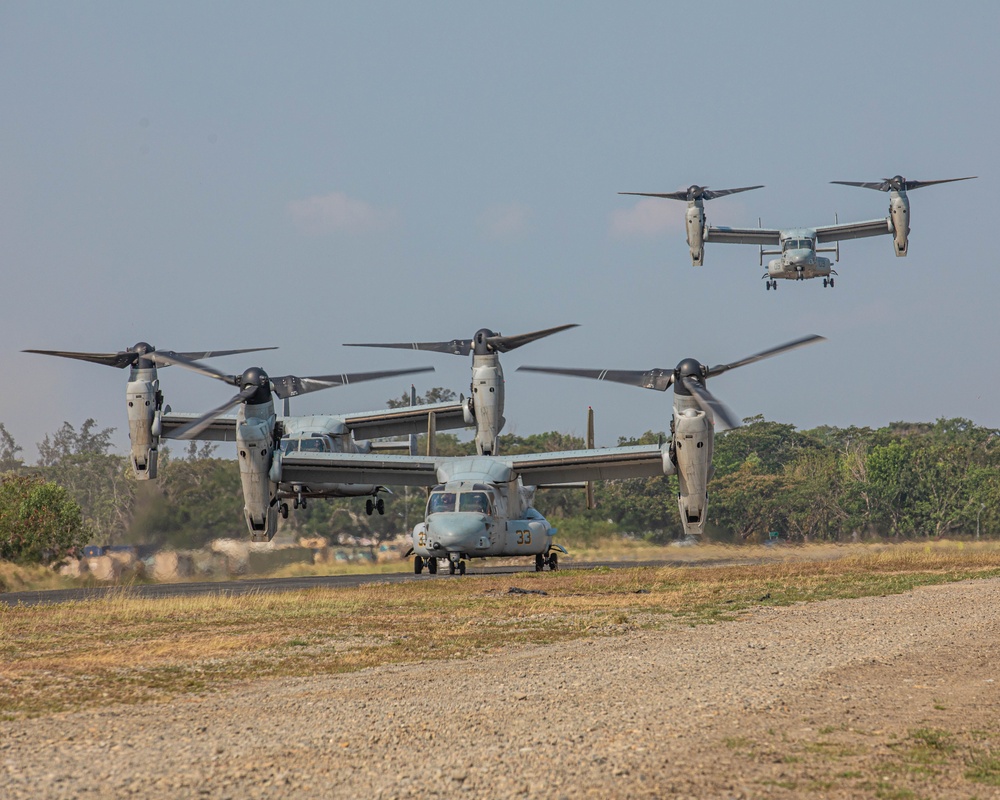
{"type": "Point", "coordinates": [127, 649]}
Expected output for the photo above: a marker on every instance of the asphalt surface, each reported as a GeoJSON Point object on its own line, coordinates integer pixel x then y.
{"type": "Point", "coordinates": [259, 585]}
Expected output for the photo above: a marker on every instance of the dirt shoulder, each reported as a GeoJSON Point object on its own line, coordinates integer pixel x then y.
{"type": "Point", "coordinates": [886, 696]}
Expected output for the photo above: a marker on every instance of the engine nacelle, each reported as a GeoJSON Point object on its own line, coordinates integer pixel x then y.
{"type": "Point", "coordinates": [899, 213]}
{"type": "Point", "coordinates": [144, 399]}
{"type": "Point", "coordinates": [695, 224]}
{"type": "Point", "coordinates": [255, 453]}
{"type": "Point", "coordinates": [694, 443]}
{"type": "Point", "coordinates": [487, 402]}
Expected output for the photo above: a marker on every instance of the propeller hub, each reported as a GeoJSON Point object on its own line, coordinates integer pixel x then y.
{"type": "Point", "coordinates": [255, 376]}
{"type": "Point", "coordinates": [480, 342]}
{"type": "Point", "coordinates": [690, 368]}
{"type": "Point", "coordinates": [695, 191]}
{"type": "Point", "coordinates": [142, 348]}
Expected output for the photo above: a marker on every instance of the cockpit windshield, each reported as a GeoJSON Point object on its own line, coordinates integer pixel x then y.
{"type": "Point", "coordinates": [440, 502]}
{"type": "Point", "coordinates": [314, 444]}
{"type": "Point", "coordinates": [797, 244]}
{"type": "Point", "coordinates": [474, 501]}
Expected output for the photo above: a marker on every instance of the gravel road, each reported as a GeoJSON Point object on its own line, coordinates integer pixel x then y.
{"type": "Point", "coordinates": [830, 699]}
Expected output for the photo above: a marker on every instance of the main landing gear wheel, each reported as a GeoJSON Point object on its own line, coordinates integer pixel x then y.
{"type": "Point", "coordinates": [380, 506]}
{"type": "Point", "coordinates": [418, 565]}
{"type": "Point", "coordinates": [553, 561]}
{"type": "Point", "coordinates": [283, 510]}
{"type": "Point", "coordinates": [461, 567]}
{"type": "Point", "coordinates": [432, 566]}
{"type": "Point", "coordinates": [369, 506]}
{"type": "Point", "coordinates": [539, 562]}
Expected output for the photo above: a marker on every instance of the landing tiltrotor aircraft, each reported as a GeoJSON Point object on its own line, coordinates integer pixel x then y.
{"type": "Point", "coordinates": [485, 405]}
{"type": "Point", "coordinates": [259, 436]}
{"type": "Point", "coordinates": [697, 413]}
{"type": "Point", "coordinates": [798, 249]}
{"type": "Point", "coordinates": [479, 506]}
{"type": "Point", "coordinates": [142, 393]}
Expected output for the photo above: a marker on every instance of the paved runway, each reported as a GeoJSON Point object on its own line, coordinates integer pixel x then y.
{"type": "Point", "coordinates": [247, 585]}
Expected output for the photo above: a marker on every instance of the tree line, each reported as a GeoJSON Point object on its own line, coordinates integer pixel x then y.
{"type": "Point", "coordinates": [902, 481]}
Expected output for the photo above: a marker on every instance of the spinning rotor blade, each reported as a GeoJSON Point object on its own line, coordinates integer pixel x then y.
{"type": "Point", "coordinates": [458, 347]}
{"type": "Point", "coordinates": [659, 379]}
{"type": "Point", "coordinates": [120, 360]}
{"type": "Point", "coordinates": [711, 405]}
{"type": "Point", "coordinates": [695, 192]}
{"type": "Point", "coordinates": [192, 429]}
{"type": "Point", "coordinates": [781, 348]}
{"type": "Point", "coordinates": [898, 183]}
{"type": "Point", "coordinates": [292, 386]}
{"type": "Point", "coordinates": [503, 344]}
{"type": "Point", "coordinates": [125, 358]}
{"type": "Point", "coordinates": [195, 366]}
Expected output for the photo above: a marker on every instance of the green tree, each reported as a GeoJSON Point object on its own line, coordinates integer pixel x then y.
{"type": "Point", "coordinates": [99, 481]}
{"type": "Point", "coordinates": [39, 521]}
{"type": "Point", "coordinates": [10, 461]}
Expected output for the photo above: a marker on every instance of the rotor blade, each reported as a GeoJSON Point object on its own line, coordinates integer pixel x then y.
{"type": "Point", "coordinates": [659, 379]}
{"type": "Point", "coordinates": [458, 347]}
{"type": "Point", "coordinates": [505, 343]}
{"type": "Point", "coordinates": [921, 184]}
{"type": "Point", "coordinates": [711, 405]}
{"type": "Point", "coordinates": [215, 353]}
{"type": "Point", "coordinates": [781, 348]}
{"type": "Point", "coordinates": [192, 429]}
{"type": "Point", "coordinates": [668, 195]}
{"type": "Point", "coordinates": [878, 186]}
{"type": "Point", "coordinates": [119, 360]}
{"type": "Point", "coordinates": [292, 385]}
{"type": "Point", "coordinates": [195, 366]}
{"type": "Point", "coordinates": [711, 194]}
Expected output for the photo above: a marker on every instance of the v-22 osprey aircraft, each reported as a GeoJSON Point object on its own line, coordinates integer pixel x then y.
{"type": "Point", "coordinates": [798, 248]}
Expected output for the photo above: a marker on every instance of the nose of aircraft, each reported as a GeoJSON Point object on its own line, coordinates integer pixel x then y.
{"type": "Point", "coordinates": [457, 530]}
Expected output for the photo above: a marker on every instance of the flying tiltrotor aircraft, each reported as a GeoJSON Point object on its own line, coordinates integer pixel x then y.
{"type": "Point", "coordinates": [484, 407]}
{"type": "Point", "coordinates": [262, 437]}
{"type": "Point", "coordinates": [798, 257]}
{"type": "Point", "coordinates": [142, 393]}
{"type": "Point", "coordinates": [696, 416]}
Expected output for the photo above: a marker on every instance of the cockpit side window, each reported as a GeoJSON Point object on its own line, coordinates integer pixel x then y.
{"type": "Point", "coordinates": [441, 502]}
{"type": "Point", "coordinates": [474, 501]}
{"type": "Point", "coordinates": [289, 445]}
{"type": "Point", "coordinates": [315, 444]}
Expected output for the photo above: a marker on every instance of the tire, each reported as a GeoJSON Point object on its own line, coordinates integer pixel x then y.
{"type": "Point", "coordinates": [380, 506]}
{"type": "Point", "coordinates": [418, 565]}
{"type": "Point", "coordinates": [539, 562]}
{"type": "Point", "coordinates": [553, 562]}
{"type": "Point", "coordinates": [432, 566]}
{"type": "Point", "coordinates": [369, 506]}
{"type": "Point", "coordinates": [451, 567]}
{"type": "Point", "coordinates": [461, 567]}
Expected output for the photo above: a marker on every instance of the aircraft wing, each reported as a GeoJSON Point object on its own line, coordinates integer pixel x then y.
{"type": "Point", "coordinates": [406, 420]}
{"type": "Point", "coordinates": [743, 235]}
{"type": "Point", "coordinates": [854, 230]}
{"type": "Point", "coordinates": [359, 468]}
{"type": "Point", "coordinates": [221, 429]}
{"type": "Point", "coordinates": [636, 461]}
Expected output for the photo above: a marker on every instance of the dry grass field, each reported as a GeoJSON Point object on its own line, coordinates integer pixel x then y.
{"type": "Point", "coordinates": [124, 649]}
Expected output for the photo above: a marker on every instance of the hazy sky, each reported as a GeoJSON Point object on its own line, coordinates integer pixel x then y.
{"type": "Point", "coordinates": [226, 174]}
